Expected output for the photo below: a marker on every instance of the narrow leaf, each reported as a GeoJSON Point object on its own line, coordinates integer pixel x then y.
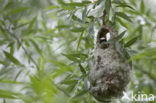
{"type": "Point", "coordinates": [84, 15]}
{"type": "Point", "coordinates": [79, 41]}
{"type": "Point", "coordinates": [3, 62]}
{"type": "Point", "coordinates": [78, 29]}
{"type": "Point", "coordinates": [82, 69]}
{"type": "Point", "coordinates": [107, 6]}
{"type": "Point", "coordinates": [120, 35]}
{"type": "Point", "coordinates": [8, 94]}
{"type": "Point", "coordinates": [71, 58]}
{"type": "Point", "coordinates": [124, 16]}
{"type": "Point", "coordinates": [51, 7]}
{"type": "Point", "coordinates": [118, 48]}
{"type": "Point", "coordinates": [12, 58]}
{"type": "Point", "coordinates": [86, 84]}
{"type": "Point", "coordinates": [91, 28]}
{"type": "Point", "coordinates": [133, 2]}
{"type": "Point", "coordinates": [68, 82]}
{"type": "Point", "coordinates": [79, 4]}
{"type": "Point", "coordinates": [16, 10]}
{"type": "Point", "coordinates": [76, 18]}
{"type": "Point", "coordinates": [97, 3]}
{"type": "Point", "coordinates": [32, 23]}
{"type": "Point", "coordinates": [121, 22]}
{"type": "Point", "coordinates": [80, 94]}
{"type": "Point", "coordinates": [36, 46]}
{"type": "Point", "coordinates": [142, 6]}
{"type": "Point", "coordinates": [130, 42]}
{"type": "Point", "coordinates": [125, 5]}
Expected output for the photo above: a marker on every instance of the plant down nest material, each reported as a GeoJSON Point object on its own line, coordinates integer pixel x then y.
{"type": "Point", "coordinates": [111, 72]}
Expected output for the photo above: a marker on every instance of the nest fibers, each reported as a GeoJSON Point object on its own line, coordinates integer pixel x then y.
{"type": "Point", "coordinates": [111, 72]}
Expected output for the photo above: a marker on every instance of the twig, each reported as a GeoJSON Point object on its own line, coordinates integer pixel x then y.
{"type": "Point", "coordinates": [104, 17]}
{"type": "Point", "coordinates": [26, 52]}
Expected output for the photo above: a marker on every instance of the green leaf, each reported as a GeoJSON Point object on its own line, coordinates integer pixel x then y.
{"type": "Point", "coordinates": [12, 58]}
{"type": "Point", "coordinates": [124, 16]}
{"type": "Point", "coordinates": [84, 15]}
{"type": "Point", "coordinates": [4, 100]}
{"type": "Point", "coordinates": [114, 18]}
{"type": "Point", "coordinates": [79, 56]}
{"type": "Point", "coordinates": [107, 6]}
{"type": "Point", "coordinates": [86, 83]}
{"type": "Point", "coordinates": [12, 82]}
{"type": "Point", "coordinates": [18, 74]}
{"type": "Point", "coordinates": [120, 35]}
{"type": "Point", "coordinates": [73, 5]}
{"type": "Point", "coordinates": [32, 23]}
{"type": "Point", "coordinates": [11, 45]}
{"type": "Point", "coordinates": [79, 4]}
{"type": "Point", "coordinates": [63, 26]}
{"type": "Point", "coordinates": [51, 7]}
{"type": "Point", "coordinates": [121, 22]}
{"type": "Point", "coordinates": [82, 69]}
{"type": "Point", "coordinates": [79, 41]}
{"type": "Point", "coordinates": [36, 46]}
{"type": "Point", "coordinates": [8, 94]}
{"type": "Point", "coordinates": [146, 54]}
{"type": "Point", "coordinates": [133, 2]}
{"type": "Point", "coordinates": [76, 18]}
{"type": "Point", "coordinates": [80, 94]}
{"type": "Point", "coordinates": [4, 34]}
{"type": "Point", "coordinates": [3, 62]}
{"type": "Point", "coordinates": [78, 29]}
{"type": "Point", "coordinates": [69, 82]}
{"type": "Point", "coordinates": [2, 42]}
{"type": "Point", "coordinates": [97, 3]}
{"type": "Point", "coordinates": [91, 28]}
{"type": "Point", "coordinates": [70, 57]}
{"type": "Point", "coordinates": [17, 10]}
{"type": "Point", "coordinates": [119, 48]}
{"type": "Point", "coordinates": [132, 41]}
{"type": "Point", "coordinates": [68, 7]}
{"type": "Point", "coordinates": [142, 7]}
{"type": "Point", "coordinates": [116, 1]}
{"type": "Point", "coordinates": [127, 56]}
{"type": "Point", "coordinates": [86, 2]}
{"type": "Point", "coordinates": [91, 17]}
{"type": "Point", "coordinates": [57, 63]}
{"type": "Point", "coordinates": [124, 5]}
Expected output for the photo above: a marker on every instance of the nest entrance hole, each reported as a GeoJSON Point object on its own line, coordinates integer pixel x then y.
{"type": "Point", "coordinates": [104, 36]}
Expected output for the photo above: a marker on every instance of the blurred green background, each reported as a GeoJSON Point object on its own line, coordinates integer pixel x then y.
{"type": "Point", "coordinates": [46, 48]}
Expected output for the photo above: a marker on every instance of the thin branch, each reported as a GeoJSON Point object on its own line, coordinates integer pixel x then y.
{"type": "Point", "coordinates": [104, 17]}
{"type": "Point", "coordinates": [26, 52]}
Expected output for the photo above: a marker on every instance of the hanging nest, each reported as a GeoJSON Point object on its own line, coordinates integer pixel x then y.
{"type": "Point", "coordinates": [111, 72]}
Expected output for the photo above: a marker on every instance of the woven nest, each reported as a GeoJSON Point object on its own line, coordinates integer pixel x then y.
{"type": "Point", "coordinates": [111, 72]}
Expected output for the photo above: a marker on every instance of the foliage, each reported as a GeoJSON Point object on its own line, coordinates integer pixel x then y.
{"type": "Point", "coordinates": [46, 47]}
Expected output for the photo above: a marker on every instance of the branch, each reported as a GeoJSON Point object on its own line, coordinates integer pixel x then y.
{"type": "Point", "coordinates": [26, 52]}
{"type": "Point", "coordinates": [104, 17]}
